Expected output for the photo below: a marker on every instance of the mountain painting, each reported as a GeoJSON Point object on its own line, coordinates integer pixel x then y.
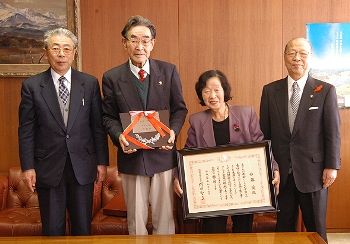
{"type": "Point", "coordinates": [22, 27]}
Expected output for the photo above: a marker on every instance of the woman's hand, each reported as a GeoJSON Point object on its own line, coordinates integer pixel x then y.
{"type": "Point", "coordinates": [276, 180]}
{"type": "Point", "coordinates": [177, 187]}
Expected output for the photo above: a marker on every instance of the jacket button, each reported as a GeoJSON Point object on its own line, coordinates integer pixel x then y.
{"type": "Point", "coordinates": [67, 136]}
{"type": "Point", "coordinates": [292, 143]}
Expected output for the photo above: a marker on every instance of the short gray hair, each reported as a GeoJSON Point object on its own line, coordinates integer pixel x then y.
{"type": "Point", "coordinates": [138, 20]}
{"type": "Point", "coordinates": [60, 32]}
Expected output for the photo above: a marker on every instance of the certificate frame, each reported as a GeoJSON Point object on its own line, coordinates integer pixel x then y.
{"type": "Point", "coordinates": [227, 180]}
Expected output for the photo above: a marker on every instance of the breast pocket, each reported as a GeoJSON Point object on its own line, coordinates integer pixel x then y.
{"type": "Point", "coordinates": [314, 114]}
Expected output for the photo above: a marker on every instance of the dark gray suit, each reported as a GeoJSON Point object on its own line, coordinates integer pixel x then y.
{"type": "Point", "coordinates": [121, 96]}
{"type": "Point", "coordinates": [147, 174]}
{"type": "Point", "coordinates": [313, 146]}
{"type": "Point", "coordinates": [46, 145]}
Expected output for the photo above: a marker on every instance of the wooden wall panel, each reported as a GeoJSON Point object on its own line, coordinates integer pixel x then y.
{"type": "Point", "coordinates": [240, 38]}
{"type": "Point", "coordinates": [296, 14]}
{"type": "Point", "coordinates": [10, 93]}
{"type": "Point", "coordinates": [339, 198]}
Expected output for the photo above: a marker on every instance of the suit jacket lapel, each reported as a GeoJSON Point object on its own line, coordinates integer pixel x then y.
{"type": "Point", "coordinates": [282, 103]}
{"type": "Point", "coordinates": [76, 98]}
{"type": "Point", "coordinates": [49, 94]}
{"type": "Point", "coordinates": [305, 103]}
{"type": "Point", "coordinates": [233, 119]}
{"type": "Point", "coordinates": [208, 133]}
{"type": "Point", "coordinates": [155, 90]}
{"type": "Point", "coordinates": [127, 86]}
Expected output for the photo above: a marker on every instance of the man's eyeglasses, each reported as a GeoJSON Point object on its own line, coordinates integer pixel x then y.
{"type": "Point", "coordinates": [144, 42]}
{"type": "Point", "coordinates": [57, 50]}
{"type": "Point", "coordinates": [292, 54]}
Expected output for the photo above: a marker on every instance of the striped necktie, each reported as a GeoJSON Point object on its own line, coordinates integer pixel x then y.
{"type": "Point", "coordinates": [295, 99]}
{"type": "Point", "coordinates": [63, 90]}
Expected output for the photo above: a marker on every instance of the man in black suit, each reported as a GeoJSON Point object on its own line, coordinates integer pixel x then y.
{"type": "Point", "coordinates": [62, 143]}
{"type": "Point", "coordinates": [305, 141]}
{"type": "Point", "coordinates": [147, 174]}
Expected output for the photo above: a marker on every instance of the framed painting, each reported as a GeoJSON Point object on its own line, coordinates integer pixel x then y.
{"type": "Point", "coordinates": [226, 180]}
{"type": "Point", "coordinates": [22, 27]}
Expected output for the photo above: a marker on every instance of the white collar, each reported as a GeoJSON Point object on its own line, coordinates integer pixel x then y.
{"type": "Point", "coordinates": [301, 82]}
{"type": "Point", "coordinates": [56, 76]}
{"type": "Point", "coordinates": [135, 70]}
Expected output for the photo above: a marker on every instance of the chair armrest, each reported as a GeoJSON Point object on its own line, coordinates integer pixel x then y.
{"type": "Point", "coordinates": [96, 205]}
{"type": "Point", "coordinates": [4, 187]}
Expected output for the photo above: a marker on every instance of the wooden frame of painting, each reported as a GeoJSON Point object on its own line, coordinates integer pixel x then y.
{"type": "Point", "coordinates": [26, 70]}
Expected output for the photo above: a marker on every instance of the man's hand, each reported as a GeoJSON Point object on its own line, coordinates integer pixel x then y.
{"type": "Point", "coordinates": [29, 179]}
{"type": "Point", "coordinates": [177, 187]}
{"type": "Point", "coordinates": [276, 181]}
{"type": "Point", "coordinates": [124, 143]}
{"type": "Point", "coordinates": [329, 176]}
{"type": "Point", "coordinates": [171, 140]}
{"type": "Point", "coordinates": [101, 173]}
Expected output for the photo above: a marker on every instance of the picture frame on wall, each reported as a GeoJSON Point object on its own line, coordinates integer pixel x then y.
{"type": "Point", "coordinates": [21, 42]}
{"type": "Point", "coordinates": [331, 51]}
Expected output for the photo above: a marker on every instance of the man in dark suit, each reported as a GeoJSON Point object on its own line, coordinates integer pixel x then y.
{"type": "Point", "coordinates": [62, 143]}
{"type": "Point", "coordinates": [147, 174]}
{"type": "Point", "coordinates": [304, 127]}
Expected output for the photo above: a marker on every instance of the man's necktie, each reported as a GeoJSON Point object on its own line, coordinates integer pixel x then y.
{"type": "Point", "coordinates": [142, 75]}
{"type": "Point", "coordinates": [295, 99]}
{"type": "Point", "coordinates": [63, 90]}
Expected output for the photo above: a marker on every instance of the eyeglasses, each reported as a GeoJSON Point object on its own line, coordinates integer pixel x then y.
{"type": "Point", "coordinates": [144, 42]}
{"type": "Point", "coordinates": [207, 92]}
{"type": "Point", "coordinates": [302, 54]}
{"type": "Point", "coordinates": [57, 50]}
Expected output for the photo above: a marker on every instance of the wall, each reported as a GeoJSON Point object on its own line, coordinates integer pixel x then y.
{"type": "Point", "coordinates": [244, 39]}
{"type": "Point", "coordinates": [9, 101]}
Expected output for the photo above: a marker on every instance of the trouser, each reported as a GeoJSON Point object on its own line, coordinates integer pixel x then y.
{"type": "Point", "coordinates": [142, 191]}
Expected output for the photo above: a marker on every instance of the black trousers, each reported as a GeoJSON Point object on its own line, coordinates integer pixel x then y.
{"type": "Point", "coordinates": [241, 224]}
{"type": "Point", "coordinates": [313, 206]}
{"type": "Point", "coordinates": [68, 195]}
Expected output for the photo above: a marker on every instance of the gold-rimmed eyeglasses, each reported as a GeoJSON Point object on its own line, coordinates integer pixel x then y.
{"type": "Point", "coordinates": [302, 54]}
{"type": "Point", "coordinates": [144, 42]}
{"type": "Point", "coordinates": [57, 50]}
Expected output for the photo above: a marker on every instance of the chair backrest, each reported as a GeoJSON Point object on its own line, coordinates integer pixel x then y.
{"type": "Point", "coordinates": [112, 185]}
{"type": "Point", "coordinates": [19, 196]}
{"type": "Point", "coordinates": [105, 191]}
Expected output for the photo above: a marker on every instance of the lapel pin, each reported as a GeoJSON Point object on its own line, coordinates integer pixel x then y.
{"type": "Point", "coordinates": [160, 83]}
{"type": "Point", "coordinates": [311, 96]}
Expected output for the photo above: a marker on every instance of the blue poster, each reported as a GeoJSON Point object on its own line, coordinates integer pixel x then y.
{"type": "Point", "coordinates": [331, 63]}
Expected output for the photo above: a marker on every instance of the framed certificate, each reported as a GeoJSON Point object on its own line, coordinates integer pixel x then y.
{"type": "Point", "coordinates": [146, 129]}
{"type": "Point", "coordinates": [226, 180]}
